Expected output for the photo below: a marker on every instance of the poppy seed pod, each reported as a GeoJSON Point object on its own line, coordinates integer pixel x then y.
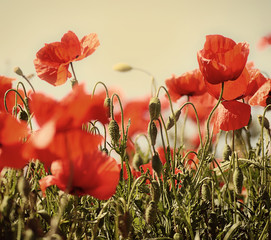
{"type": "Point", "coordinates": [113, 128]}
{"type": "Point", "coordinates": [122, 67]}
{"type": "Point", "coordinates": [205, 192]}
{"type": "Point", "coordinates": [227, 152]}
{"type": "Point", "coordinates": [238, 180]}
{"type": "Point", "coordinates": [137, 161]}
{"type": "Point", "coordinates": [152, 130]}
{"type": "Point", "coordinates": [107, 104]}
{"type": "Point", "coordinates": [18, 71]}
{"type": "Point", "coordinates": [154, 108]}
{"type": "Point", "coordinates": [157, 165]}
{"type": "Point", "coordinates": [150, 214]}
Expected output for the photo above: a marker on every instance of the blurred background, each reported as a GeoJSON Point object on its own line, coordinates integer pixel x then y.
{"type": "Point", "coordinates": [161, 37]}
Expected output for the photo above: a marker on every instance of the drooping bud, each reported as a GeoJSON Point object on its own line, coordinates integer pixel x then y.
{"type": "Point", "coordinates": [18, 71]}
{"type": "Point", "coordinates": [107, 104]}
{"type": "Point", "coordinates": [152, 130]}
{"type": "Point", "coordinates": [238, 180]}
{"type": "Point", "coordinates": [154, 108]}
{"type": "Point", "coordinates": [170, 121]}
{"type": "Point", "coordinates": [205, 192]}
{"type": "Point", "coordinates": [265, 122]}
{"type": "Point", "coordinates": [113, 128]}
{"type": "Point", "coordinates": [157, 165]}
{"type": "Point", "coordinates": [137, 161]}
{"type": "Point", "coordinates": [150, 214]}
{"type": "Point", "coordinates": [74, 83]}
{"type": "Point", "coordinates": [177, 236]}
{"type": "Point", "coordinates": [122, 67]}
{"type": "Point", "coordinates": [227, 152]}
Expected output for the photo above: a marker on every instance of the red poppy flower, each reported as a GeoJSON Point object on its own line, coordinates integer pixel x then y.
{"type": "Point", "coordinates": [12, 134]}
{"type": "Point", "coordinates": [53, 59]}
{"type": "Point", "coordinates": [222, 59]}
{"type": "Point", "coordinates": [5, 84]}
{"type": "Point", "coordinates": [94, 174]}
{"type": "Point", "coordinates": [190, 84]}
{"type": "Point", "coordinates": [72, 111]}
{"type": "Point", "coordinates": [263, 95]}
{"type": "Point", "coordinates": [264, 42]}
{"type": "Point", "coordinates": [231, 115]}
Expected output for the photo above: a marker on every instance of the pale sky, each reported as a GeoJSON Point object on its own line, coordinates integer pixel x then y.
{"type": "Point", "coordinates": [162, 37]}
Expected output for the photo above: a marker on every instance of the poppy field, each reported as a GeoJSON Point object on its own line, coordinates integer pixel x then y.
{"type": "Point", "coordinates": [190, 161]}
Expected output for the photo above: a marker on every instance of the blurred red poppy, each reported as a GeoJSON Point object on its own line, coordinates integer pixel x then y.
{"type": "Point", "coordinates": [5, 84]}
{"type": "Point", "coordinates": [12, 134]}
{"type": "Point", "coordinates": [190, 84]}
{"type": "Point", "coordinates": [52, 61]}
{"type": "Point", "coordinates": [222, 59]}
{"type": "Point", "coordinates": [93, 173]}
{"type": "Point", "coordinates": [262, 96]}
{"type": "Point", "coordinates": [264, 42]}
{"type": "Point", "coordinates": [231, 115]}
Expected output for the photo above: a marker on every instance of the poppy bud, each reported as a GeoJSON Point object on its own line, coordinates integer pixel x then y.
{"type": "Point", "coordinates": [152, 130]}
{"type": "Point", "coordinates": [238, 180]}
{"type": "Point", "coordinates": [18, 71]}
{"type": "Point", "coordinates": [177, 236]}
{"type": "Point", "coordinates": [23, 115]}
{"type": "Point", "coordinates": [205, 192]}
{"type": "Point", "coordinates": [74, 83]}
{"type": "Point", "coordinates": [227, 152]}
{"type": "Point", "coordinates": [23, 187]}
{"type": "Point", "coordinates": [155, 191]}
{"type": "Point", "coordinates": [113, 128]}
{"type": "Point", "coordinates": [125, 224]}
{"type": "Point", "coordinates": [154, 108]}
{"type": "Point", "coordinates": [157, 165]}
{"type": "Point", "coordinates": [107, 103]}
{"type": "Point", "coordinates": [265, 122]}
{"type": "Point", "coordinates": [137, 161]}
{"type": "Point", "coordinates": [150, 214]}
{"type": "Point", "coordinates": [122, 67]}
{"type": "Point", "coordinates": [170, 121]}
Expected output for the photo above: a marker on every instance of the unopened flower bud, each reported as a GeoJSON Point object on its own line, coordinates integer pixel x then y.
{"type": "Point", "coordinates": [170, 121]}
{"type": "Point", "coordinates": [227, 152]}
{"type": "Point", "coordinates": [154, 108]}
{"type": "Point", "coordinates": [265, 122]}
{"type": "Point", "coordinates": [23, 115]}
{"type": "Point", "coordinates": [122, 67]}
{"type": "Point", "coordinates": [23, 187]}
{"type": "Point", "coordinates": [18, 71]}
{"type": "Point", "coordinates": [113, 128]}
{"type": "Point", "coordinates": [157, 165]}
{"type": "Point", "coordinates": [125, 224]}
{"type": "Point", "coordinates": [155, 191]}
{"type": "Point", "coordinates": [238, 180]}
{"type": "Point", "coordinates": [177, 236]}
{"type": "Point", "coordinates": [152, 130]}
{"type": "Point", "coordinates": [137, 161]}
{"type": "Point", "coordinates": [74, 83]}
{"type": "Point", "coordinates": [205, 192]}
{"type": "Point", "coordinates": [150, 214]}
{"type": "Point", "coordinates": [107, 103]}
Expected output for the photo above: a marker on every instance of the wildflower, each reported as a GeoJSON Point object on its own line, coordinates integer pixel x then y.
{"type": "Point", "coordinates": [264, 42]}
{"type": "Point", "coordinates": [262, 96]}
{"type": "Point", "coordinates": [5, 84]}
{"type": "Point", "coordinates": [52, 61]}
{"type": "Point", "coordinates": [222, 59]}
{"type": "Point", "coordinates": [12, 134]}
{"type": "Point", "coordinates": [85, 171]}
{"type": "Point", "coordinates": [231, 115]}
{"type": "Point", "coordinates": [190, 84]}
